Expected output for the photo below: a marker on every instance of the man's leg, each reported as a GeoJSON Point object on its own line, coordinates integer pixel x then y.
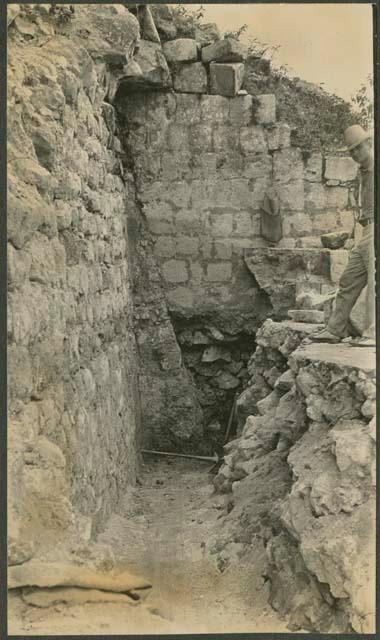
{"type": "Point", "coordinates": [368, 253]}
{"type": "Point", "coordinates": [367, 250]}
{"type": "Point", "coordinates": [352, 282]}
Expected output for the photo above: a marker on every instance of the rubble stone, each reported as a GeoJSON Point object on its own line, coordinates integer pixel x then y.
{"type": "Point", "coordinates": [180, 50]}
{"type": "Point", "coordinates": [227, 50]}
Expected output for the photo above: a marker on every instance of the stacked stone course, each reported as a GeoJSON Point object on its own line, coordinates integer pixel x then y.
{"type": "Point", "coordinates": [203, 164]}
{"type": "Point", "coordinates": [73, 401]}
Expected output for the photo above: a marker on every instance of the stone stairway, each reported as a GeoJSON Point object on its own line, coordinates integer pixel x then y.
{"type": "Point", "coordinates": [293, 278]}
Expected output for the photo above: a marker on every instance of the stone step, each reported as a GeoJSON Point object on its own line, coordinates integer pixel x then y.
{"type": "Point", "coordinates": [342, 355]}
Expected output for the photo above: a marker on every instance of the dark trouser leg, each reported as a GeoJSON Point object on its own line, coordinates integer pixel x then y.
{"type": "Point", "coordinates": [352, 282]}
{"type": "Point", "coordinates": [367, 250]}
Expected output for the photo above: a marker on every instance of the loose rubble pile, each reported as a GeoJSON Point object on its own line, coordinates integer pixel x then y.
{"type": "Point", "coordinates": [217, 362]}
{"type": "Point", "coordinates": [302, 477]}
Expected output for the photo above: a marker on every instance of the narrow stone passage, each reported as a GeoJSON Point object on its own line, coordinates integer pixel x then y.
{"type": "Point", "coordinates": [166, 533]}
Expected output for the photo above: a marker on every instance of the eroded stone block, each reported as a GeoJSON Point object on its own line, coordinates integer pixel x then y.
{"type": "Point", "coordinates": [180, 50]}
{"type": "Point", "coordinates": [241, 110]}
{"type": "Point", "coordinates": [313, 169]}
{"type": "Point", "coordinates": [265, 112]}
{"type": "Point", "coordinates": [219, 271]}
{"type": "Point", "coordinates": [278, 136]}
{"type": "Point", "coordinates": [227, 50]}
{"type": "Point", "coordinates": [191, 78]}
{"type": "Point", "coordinates": [340, 168]}
{"type": "Point", "coordinates": [226, 79]}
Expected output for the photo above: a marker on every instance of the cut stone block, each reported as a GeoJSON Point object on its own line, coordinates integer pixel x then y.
{"type": "Point", "coordinates": [266, 108]}
{"type": "Point", "coordinates": [334, 240]}
{"type": "Point", "coordinates": [341, 169]}
{"type": "Point", "coordinates": [191, 78]}
{"type": "Point", "coordinates": [226, 79]}
{"type": "Point", "coordinates": [278, 136]}
{"type": "Point", "coordinates": [288, 165]}
{"type": "Point", "coordinates": [181, 50]}
{"type": "Point", "coordinates": [175, 271]}
{"type": "Point", "coordinates": [241, 110]}
{"type": "Point", "coordinates": [313, 170]}
{"type": "Point", "coordinates": [227, 50]}
{"type": "Point", "coordinates": [219, 271]}
{"type": "Point", "coordinates": [306, 315]}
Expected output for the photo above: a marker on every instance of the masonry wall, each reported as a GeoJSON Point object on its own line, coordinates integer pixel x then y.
{"type": "Point", "coordinates": [73, 402]}
{"type": "Point", "coordinates": [203, 164]}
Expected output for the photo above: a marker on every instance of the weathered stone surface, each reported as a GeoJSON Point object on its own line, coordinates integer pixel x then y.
{"type": "Point", "coordinates": [278, 136]}
{"type": "Point", "coordinates": [241, 110]}
{"type": "Point", "coordinates": [265, 111]}
{"type": "Point", "coordinates": [288, 165]}
{"type": "Point", "coordinates": [330, 456]}
{"type": "Point", "coordinates": [300, 265]}
{"type": "Point", "coordinates": [190, 78]}
{"type": "Point", "coordinates": [313, 168]}
{"type": "Point", "coordinates": [152, 62]}
{"type": "Point", "coordinates": [226, 79]}
{"type": "Point", "coordinates": [12, 12]}
{"type": "Point", "coordinates": [341, 169]}
{"type": "Point", "coordinates": [227, 50]}
{"type": "Point", "coordinates": [180, 50]}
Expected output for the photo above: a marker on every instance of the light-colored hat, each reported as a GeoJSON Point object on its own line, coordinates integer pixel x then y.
{"type": "Point", "coordinates": [353, 136]}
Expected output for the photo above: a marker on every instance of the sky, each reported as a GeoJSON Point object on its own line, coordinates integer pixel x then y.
{"type": "Point", "coordinates": [321, 43]}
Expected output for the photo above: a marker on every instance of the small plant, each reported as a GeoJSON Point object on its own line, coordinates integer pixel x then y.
{"type": "Point", "coordinates": [362, 102]}
{"type": "Point", "coordinates": [236, 34]}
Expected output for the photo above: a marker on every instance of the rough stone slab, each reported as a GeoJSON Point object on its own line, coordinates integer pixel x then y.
{"type": "Point", "coordinates": [341, 169]}
{"type": "Point", "coordinates": [227, 50]}
{"type": "Point", "coordinates": [191, 78]}
{"type": "Point", "coordinates": [226, 79]}
{"type": "Point", "coordinates": [44, 598]}
{"type": "Point", "coordinates": [180, 50]}
{"type": "Point", "coordinates": [50, 574]}
{"type": "Point", "coordinates": [343, 355]}
{"type": "Point", "coordinates": [265, 112]}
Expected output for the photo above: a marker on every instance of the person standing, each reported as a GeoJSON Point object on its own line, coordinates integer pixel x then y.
{"type": "Point", "coordinates": [360, 269]}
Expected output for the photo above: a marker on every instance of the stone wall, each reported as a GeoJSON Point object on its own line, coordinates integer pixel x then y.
{"type": "Point", "coordinates": [203, 164]}
{"type": "Point", "coordinates": [73, 401]}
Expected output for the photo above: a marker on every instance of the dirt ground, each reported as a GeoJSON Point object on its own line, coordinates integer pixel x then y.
{"type": "Point", "coordinates": [164, 533]}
